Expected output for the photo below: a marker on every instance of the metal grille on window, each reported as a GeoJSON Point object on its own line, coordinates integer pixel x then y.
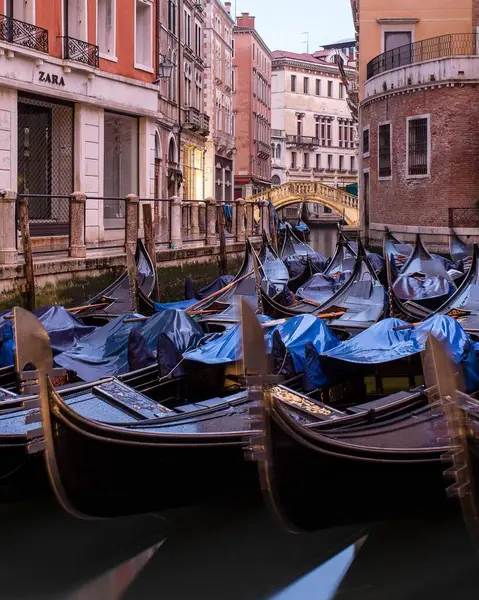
{"type": "Point", "coordinates": [418, 147]}
{"type": "Point", "coordinates": [45, 163]}
{"type": "Point", "coordinates": [384, 151]}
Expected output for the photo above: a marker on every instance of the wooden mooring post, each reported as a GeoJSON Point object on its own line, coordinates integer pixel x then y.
{"type": "Point", "coordinates": [27, 253]}
{"type": "Point", "coordinates": [131, 266]}
{"type": "Point", "coordinates": [272, 229]}
{"type": "Point", "coordinates": [150, 242]}
{"type": "Point", "coordinates": [223, 262]}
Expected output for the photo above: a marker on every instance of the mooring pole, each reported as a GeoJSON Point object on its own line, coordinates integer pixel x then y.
{"type": "Point", "coordinates": [131, 266]}
{"type": "Point", "coordinates": [150, 241]}
{"type": "Point", "coordinates": [221, 230]}
{"type": "Point", "coordinates": [27, 253]}
{"type": "Point", "coordinates": [272, 229]}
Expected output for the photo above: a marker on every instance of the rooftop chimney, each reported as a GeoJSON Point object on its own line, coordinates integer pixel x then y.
{"type": "Point", "coordinates": [245, 20]}
{"type": "Point", "coordinates": [228, 7]}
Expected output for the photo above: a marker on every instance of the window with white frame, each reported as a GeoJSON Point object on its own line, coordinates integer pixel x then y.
{"type": "Point", "coordinates": [318, 161]}
{"type": "Point", "coordinates": [187, 71]}
{"type": "Point", "coordinates": [105, 28]}
{"type": "Point", "coordinates": [198, 92]}
{"type": "Point", "coordinates": [187, 27]}
{"type": "Point", "coordinates": [76, 11]}
{"type": "Point", "coordinates": [384, 150]}
{"type": "Point", "coordinates": [172, 12]}
{"type": "Point", "coordinates": [144, 34]}
{"type": "Point", "coordinates": [418, 146]}
{"type": "Point", "coordinates": [23, 11]}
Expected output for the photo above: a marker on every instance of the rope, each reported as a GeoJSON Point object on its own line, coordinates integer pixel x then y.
{"type": "Point", "coordinates": [172, 371]}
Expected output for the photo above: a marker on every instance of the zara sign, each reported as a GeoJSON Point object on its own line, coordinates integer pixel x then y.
{"type": "Point", "coordinates": [53, 79]}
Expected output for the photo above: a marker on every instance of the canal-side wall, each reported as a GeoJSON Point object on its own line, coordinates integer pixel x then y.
{"type": "Point", "coordinates": [71, 280]}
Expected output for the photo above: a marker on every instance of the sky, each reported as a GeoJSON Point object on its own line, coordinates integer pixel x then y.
{"type": "Point", "coordinates": [282, 23]}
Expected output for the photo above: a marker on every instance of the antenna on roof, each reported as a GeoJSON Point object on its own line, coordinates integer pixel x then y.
{"type": "Point", "coordinates": [306, 41]}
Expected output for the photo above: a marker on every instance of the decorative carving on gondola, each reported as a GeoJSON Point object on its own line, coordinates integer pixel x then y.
{"type": "Point", "coordinates": [299, 401]}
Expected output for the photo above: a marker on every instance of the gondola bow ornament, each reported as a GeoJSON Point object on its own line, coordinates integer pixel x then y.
{"type": "Point", "coordinates": [445, 384]}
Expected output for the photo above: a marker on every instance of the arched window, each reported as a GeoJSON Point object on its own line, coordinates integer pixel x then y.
{"type": "Point", "coordinates": [275, 180]}
{"type": "Point", "coordinates": [172, 154]}
{"type": "Point", "coordinates": [278, 151]}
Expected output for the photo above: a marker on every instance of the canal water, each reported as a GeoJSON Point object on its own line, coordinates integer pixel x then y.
{"type": "Point", "coordinates": [323, 239]}
{"type": "Point", "coordinates": [230, 549]}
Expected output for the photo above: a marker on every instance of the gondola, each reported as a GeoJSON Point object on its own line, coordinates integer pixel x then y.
{"type": "Point", "coordinates": [464, 303]}
{"type": "Point", "coordinates": [294, 254]}
{"type": "Point", "coordinates": [343, 259]}
{"type": "Point", "coordinates": [117, 298]}
{"type": "Point", "coordinates": [376, 460]}
{"type": "Point", "coordinates": [274, 269]}
{"type": "Point", "coordinates": [359, 303]}
{"type": "Point", "coordinates": [423, 279]}
{"type": "Point", "coordinates": [297, 282]}
{"type": "Point", "coordinates": [461, 253]}
{"type": "Point", "coordinates": [395, 250]}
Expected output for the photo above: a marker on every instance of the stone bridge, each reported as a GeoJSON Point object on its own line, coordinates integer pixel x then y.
{"type": "Point", "coordinates": [295, 192]}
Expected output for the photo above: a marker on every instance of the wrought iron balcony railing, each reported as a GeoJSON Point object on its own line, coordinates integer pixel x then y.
{"type": "Point", "coordinates": [23, 34]}
{"type": "Point", "coordinates": [453, 44]}
{"type": "Point", "coordinates": [302, 140]}
{"type": "Point", "coordinates": [81, 51]}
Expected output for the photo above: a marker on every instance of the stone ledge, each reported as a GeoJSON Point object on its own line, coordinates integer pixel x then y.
{"type": "Point", "coordinates": [60, 267]}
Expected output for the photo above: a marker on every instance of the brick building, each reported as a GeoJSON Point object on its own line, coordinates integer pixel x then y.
{"type": "Point", "coordinates": [220, 145]}
{"type": "Point", "coordinates": [419, 123]}
{"type": "Point", "coordinates": [252, 106]}
{"type": "Point", "coordinates": [313, 133]}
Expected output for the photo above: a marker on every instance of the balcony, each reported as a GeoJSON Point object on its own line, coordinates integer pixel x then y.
{"type": "Point", "coordinates": [264, 149]}
{"type": "Point", "coordinates": [278, 133]}
{"type": "Point", "coordinates": [80, 51]}
{"type": "Point", "coordinates": [23, 34]}
{"type": "Point", "coordinates": [444, 46]}
{"type": "Point", "coordinates": [302, 140]}
{"type": "Point", "coordinates": [194, 120]}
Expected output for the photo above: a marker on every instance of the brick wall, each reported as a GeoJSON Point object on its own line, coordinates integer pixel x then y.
{"type": "Point", "coordinates": [454, 172]}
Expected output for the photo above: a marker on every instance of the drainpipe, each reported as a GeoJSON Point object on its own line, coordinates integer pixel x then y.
{"type": "Point", "coordinates": [180, 59]}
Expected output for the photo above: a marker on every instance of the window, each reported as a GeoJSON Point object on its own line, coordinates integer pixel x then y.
{"type": "Point", "coordinates": [330, 162]}
{"type": "Point", "coordinates": [294, 157]}
{"type": "Point", "coordinates": [328, 133]}
{"type": "Point", "coordinates": [105, 27]}
{"type": "Point", "coordinates": [341, 90]}
{"type": "Point", "coordinates": [330, 89]}
{"type": "Point", "coordinates": [341, 163]}
{"type": "Point", "coordinates": [353, 164]}
{"type": "Point", "coordinates": [187, 28]}
{"type": "Point", "coordinates": [299, 127]}
{"type": "Point", "coordinates": [398, 48]}
{"type": "Point", "coordinates": [198, 39]}
{"type": "Point", "coordinates": [120, 165]}
{"type": "Point", "coordinates": [293, 83]}
{"type": "Point", "coordinates": [23, 11]}
{"type": "Point", "coordinates": [198, 94]}
{"type": "Point", "coordinates": [187, 72]}
{"type": "Point", "coordinates": [318, 161]}
{"type": "Point", "coordinates": [341, 130]}
{"type": "Point", "coordinates": [172, 16]}
{"type": "Point", "coordinates": [418, 146]}
{"type": "Point", "coordinates": [366, 141]}
{"type": "Point", "coordinates": [317, 130]}
{"type": "Point", "coordinates": [306, 85]}
{"type": "Point", "coordinates": [278, 151]}
{"type": "Point", "coordinates": [384, 151]}
{"type": "Point", "coordinates": [318, 87]}
{"type": "Point", "coordinates": [306, 160]}
{"type": "Point", "coordinates": [76, 14]}
{"type": "Point", "coordinates": [144, 34]}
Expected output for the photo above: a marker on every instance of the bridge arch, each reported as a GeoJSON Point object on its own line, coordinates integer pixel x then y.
{"type": "Point", "coordinates": [294, 192]}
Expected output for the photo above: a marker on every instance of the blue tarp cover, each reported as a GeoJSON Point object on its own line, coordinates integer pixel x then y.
{"type": "Point", "coordinates": [381, 344]}
{"type": "Point", "coordinates": [181, 305]}
{"type": "Point", "coordinates": [63, 328]}
{"type": "Point", "coordinates": [104, 353]}
{"type": "Point", "coordinates": [218, 284]}
{"type": "Point", "coordinates": [226, 348]}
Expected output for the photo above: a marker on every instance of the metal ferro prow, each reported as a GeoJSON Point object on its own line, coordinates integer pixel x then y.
{"type": "Point", "coordinates": [257, 377]}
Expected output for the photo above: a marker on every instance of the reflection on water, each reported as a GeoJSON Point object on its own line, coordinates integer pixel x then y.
{"type": "Point", "coordinates": [323, 582]}
{"type": "Point", "coordinates": [230, 549]}
{"type": "Point", "coordinates": [323, 239]}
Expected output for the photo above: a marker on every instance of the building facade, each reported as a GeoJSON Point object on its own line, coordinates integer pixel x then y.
{"type": "Point", "coordinates": [419, 122]}
{"type": "Point", "coordinates": [313, 133]}
{"type": "Point", "coordinates": [78, 108]}
{"type": "Point", "coordinates": [220, 145]}
{"type": "Point", "coordinates": [183, 124]}
{"type": "Point", "coordinates": [252, 106]}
